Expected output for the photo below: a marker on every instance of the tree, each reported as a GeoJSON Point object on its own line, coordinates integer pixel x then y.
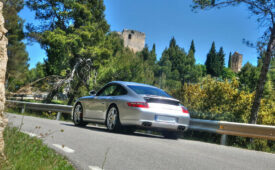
{"type": "Point", "coordinates": [171, 65]}
{"type": "Point", "coordinates": [220, 62]}
{"type": "Point", "coordinates": [153, 55]}
{"type": "Point", "coordinates": [265, 11]}
{"type": "Point", "coordinates": [74, 37]}
{"type": "Point", "coordinates": [229, 60]}
{"type": "Point", "coordinates": [125, 65]}
{"type": "Point", "coordinates": [191, 73]}
{"type": "Point", "coordinates": [192, 46]}
{"type": "Point", "coordinates": [3, 66]}
{"type": "Point", "coordinates": [18, 57]}
{"type": "Point", "coordinates": [248, 77]}
{"type": "Point", "coordinates": [211, 61]}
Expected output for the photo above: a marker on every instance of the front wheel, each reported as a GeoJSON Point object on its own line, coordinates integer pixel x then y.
{"type": "Point", "coordinates": [112, 120]}
{"type": "Point", "coordinates": [78, 116]}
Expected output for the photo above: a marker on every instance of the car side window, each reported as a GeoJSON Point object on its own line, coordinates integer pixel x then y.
{"type": "Point", "coordinates": [119, 91]}
{"type": "Point", "coordinates": [112, 90]}
{"type": "Point", "coordinates": [107, 91]}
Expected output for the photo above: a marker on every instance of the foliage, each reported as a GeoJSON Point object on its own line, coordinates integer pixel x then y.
{"type": "Point", "coordinates": [215, 61]}
{"type": "Point", "coordinates": [36, 73]}
{"type": "Point", "coordinates": [175, 67]}
{"type": "Point", "coordinates": [18, 57]}
{"type": "Point", "coordinates": [248, 76]}
{"type": "Point", "coordinates": [125, 65]}
{"type": "Point", "coordinates": [222, 100]}
{"type": "Point", "coordinates": [228, 73]}
{"type": "Point", "coordinates": [229, 60]}
{"type": "Point", "coordinates": [25, 152]}
{"type": "Point", "coordinates": [265, 13]}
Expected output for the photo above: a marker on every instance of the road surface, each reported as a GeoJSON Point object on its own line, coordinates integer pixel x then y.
{"type": "Point", "coordinates": [91, 147]}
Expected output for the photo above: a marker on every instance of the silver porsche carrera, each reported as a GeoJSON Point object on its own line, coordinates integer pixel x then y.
{"type": "Point", "coordinates": [128, 105]}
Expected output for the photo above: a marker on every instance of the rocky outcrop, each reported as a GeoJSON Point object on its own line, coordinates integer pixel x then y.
{"type": "Point", "coordinates": [3, 67]}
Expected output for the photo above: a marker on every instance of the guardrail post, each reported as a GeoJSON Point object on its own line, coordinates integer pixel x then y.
{"type": "Point", "coordinates": [223, 139]}
{"type": "Point", "coordinates": [58, 115]}
{"type": "Point", "coordinates": [23, 109]}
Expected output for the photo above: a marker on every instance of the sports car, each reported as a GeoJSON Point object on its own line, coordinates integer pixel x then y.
{"type": "Point", "coordinates": [126, 106]}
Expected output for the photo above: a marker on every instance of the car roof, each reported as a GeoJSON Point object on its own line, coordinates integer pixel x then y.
{"type": "Point", "coordinates": [126, 83]}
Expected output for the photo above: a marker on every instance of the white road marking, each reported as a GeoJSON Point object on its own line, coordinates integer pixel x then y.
{"type": "Point", "coordinates": [95, 168]}
{"type": "Point", "coordinates": [64, 148]}
{"type": "Point", "coordinates": [30, 134]}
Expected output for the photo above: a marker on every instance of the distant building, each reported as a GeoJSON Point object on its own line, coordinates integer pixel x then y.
{"type": "Point", "coordinates": [236, 62]}
{"type": "Point", "coordinates": [135, 40]}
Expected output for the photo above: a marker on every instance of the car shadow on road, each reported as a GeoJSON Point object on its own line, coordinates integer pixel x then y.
{"type": "Point", "coordinates": [104, 129]}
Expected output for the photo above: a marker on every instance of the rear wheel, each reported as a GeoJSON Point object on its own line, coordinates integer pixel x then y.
{"type": "Point", "coordinates": [112, 119]}
{"type": "Point", "coordinates": [78, 115]}
{"type": "Point", "coordinates": [170, 135]}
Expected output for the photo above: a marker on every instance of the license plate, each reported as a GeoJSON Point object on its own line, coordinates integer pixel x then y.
{"type": "Point", "coordinates": [166, 119]}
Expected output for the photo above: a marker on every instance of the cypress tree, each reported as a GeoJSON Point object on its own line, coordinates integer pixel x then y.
{"type": "Point", "coordinates": [153, 55]}
{"type": "Point", "coordinates": [192, 47]}
{"type": "Point", "coordinates": [211, 60]}
{"type": "Point", "coordinates": [220, 62]}
{"type": "Point", "coordinates": [191, 54]}
{"type": "Point", "coordinates": [229, 60]}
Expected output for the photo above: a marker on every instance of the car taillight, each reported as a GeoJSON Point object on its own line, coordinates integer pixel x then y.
{"type": "Point", "coordinates": [184, 110]}
{"type": "Point", "coordinates": [138, 104]}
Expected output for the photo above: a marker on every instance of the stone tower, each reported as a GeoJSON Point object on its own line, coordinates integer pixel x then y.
{"type": "Point", "coordinates": [236, 62]}
{"type": "Point", "coordinates": [135, 40]}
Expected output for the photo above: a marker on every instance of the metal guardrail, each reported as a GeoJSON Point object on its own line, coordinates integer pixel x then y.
{"type": "Point", "coordinates": [220, 127]}
{"type": "Point", "coordinates": [235, 129]}
{"type": "Point", "coordinates": [40, 107]}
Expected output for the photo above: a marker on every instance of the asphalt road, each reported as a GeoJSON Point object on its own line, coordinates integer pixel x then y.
{"type": "Point", "coordinates": [87, 148]}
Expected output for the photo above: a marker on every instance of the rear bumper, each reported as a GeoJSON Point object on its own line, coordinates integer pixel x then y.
{"type": "Point", "coordinates": [162, 125]}
{"type": "Point", "coordinates": [148, 118]}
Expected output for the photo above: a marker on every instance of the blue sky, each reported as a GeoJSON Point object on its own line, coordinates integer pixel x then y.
{"type": "Point", "coordinates": [160, 20]}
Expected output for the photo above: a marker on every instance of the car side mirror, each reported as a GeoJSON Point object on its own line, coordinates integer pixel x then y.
{"type": "Point", "coordinates": [92, 93]}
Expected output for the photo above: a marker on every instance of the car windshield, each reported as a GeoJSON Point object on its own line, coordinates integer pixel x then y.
{"type": "Point", "coordinates": [148, 90]}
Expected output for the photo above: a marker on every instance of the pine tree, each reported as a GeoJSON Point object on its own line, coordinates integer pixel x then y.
{"type": "Point", "coordinates": [73, 33]}
{"type": "Point", "coordinates": [18, 57]}
{"type": "Point", "coordinates": [229, 60]}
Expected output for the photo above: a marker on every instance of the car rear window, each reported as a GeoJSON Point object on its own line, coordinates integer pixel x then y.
{"type": "Point", "coordinates": [148, 90]}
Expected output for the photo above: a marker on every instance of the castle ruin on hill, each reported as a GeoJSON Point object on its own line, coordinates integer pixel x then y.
{"type": "Point", "coordinates": [134, 40]}
{"type": "Point", "coordinates": [236, 62]}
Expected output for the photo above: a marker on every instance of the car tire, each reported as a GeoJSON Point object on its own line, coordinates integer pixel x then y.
{"type": "Point", "coordinates": [78, 115]}
{"type": "Point", "coordinates": [112, 119]}
{"type": "Point", "coordinates": [170, 135]}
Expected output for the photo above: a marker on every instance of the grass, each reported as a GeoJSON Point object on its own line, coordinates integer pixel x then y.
{"type": "Point", "coordinates": [24, 153]}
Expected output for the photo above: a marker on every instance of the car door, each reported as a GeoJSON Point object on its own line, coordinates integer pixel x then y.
{"type": "Point", "coordinates": [97, 105]}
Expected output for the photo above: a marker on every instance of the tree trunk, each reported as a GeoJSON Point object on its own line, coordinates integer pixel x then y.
{"type": "Point", "coordinates": [262, 78]}
{"type": "Point", "coordinates": [60, 83]}
{"type": "Point", "coordinates": [3, 68]}
{"type": "Point", "coordinates": [72, 95]}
